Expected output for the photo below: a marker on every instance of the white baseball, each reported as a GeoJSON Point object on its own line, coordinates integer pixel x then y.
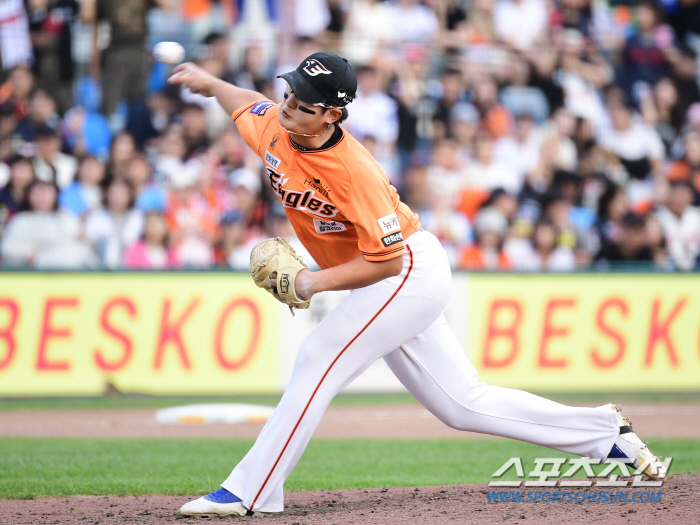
{"type": "Point", "coordinates": [169, 52]}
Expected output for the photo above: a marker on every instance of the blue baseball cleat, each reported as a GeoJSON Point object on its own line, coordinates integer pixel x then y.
{"type": "Point", "coordinates": [218, 503]}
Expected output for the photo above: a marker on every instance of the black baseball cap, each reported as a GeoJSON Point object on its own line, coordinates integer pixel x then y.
{"type": "Point", "coordinates": [323, 79]}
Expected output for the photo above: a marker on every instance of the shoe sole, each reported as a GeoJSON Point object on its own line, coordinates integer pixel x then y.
{"type": "Point", "coordinates": [223, 515]}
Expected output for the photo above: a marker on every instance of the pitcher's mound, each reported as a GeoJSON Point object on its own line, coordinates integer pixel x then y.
{"type": "Point", "coordinates": [449, 504]}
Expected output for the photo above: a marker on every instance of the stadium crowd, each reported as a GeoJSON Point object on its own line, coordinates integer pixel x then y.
{"type": "Point", "coordinates": [530, 135]}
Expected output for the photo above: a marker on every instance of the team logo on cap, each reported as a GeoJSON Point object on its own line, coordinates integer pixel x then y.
{"type": "Point", "coordinates": [314, 67]}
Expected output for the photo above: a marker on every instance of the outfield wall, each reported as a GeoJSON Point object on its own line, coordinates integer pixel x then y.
{"type": "Point", "coordinates": [216, 333]}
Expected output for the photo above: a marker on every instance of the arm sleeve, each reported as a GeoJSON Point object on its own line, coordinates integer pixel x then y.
{"type": "Point", "coordinates": [252, 120]}
{"type": "Point", "coordinates": [372, 210]}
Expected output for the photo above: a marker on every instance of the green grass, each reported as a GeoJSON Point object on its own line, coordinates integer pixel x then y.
{"type": "Point", "coordinates": [31, 468]}
{"type": "Point", "coordinates": [145, 401]}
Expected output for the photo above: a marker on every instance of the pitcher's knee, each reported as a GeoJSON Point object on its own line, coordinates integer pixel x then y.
{"type": "Point", "coordinates": [458, 422]}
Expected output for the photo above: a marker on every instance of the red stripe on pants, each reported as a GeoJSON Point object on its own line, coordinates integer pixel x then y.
{"type": "Point", "coordinates": [410, 267]}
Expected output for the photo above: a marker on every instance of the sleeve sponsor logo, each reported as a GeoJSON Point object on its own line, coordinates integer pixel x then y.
{"type": "Point", "coordinates": [392, 238]}
{"type": "Point", "coordinates": [389, 223]}
{"type": "Point", "coordinates": [328, 226]}
{"type": "Point", "coordinates": [261, 107]}
{"type": "Point", "coordinates": [305, 201]}
{"type": "Point", "coordinates": [272, 160]}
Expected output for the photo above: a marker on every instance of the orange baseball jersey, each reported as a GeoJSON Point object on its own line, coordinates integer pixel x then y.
{"type": "Point", "coordinates": [338, 199]}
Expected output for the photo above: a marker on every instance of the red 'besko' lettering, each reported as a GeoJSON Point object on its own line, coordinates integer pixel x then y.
{"type": "Point", "coordinates": [508, 332]}
{"type": "Point", "coordinates": [659, 332]}
{"type": "Point", "coordinates": [7, 332]}
{"type": "Point", "coordinates": [550, 331]}
{"type": "Point", "coordinates": [48, 332]}
{"type": "Point", "coordinates": [172, 331]}
{"type": "Point", "coordinates": [236, 304]}
{"type": "Point", "coordinates": [123, 338]}
{"type": "Point", "coordinates": [605, 328]}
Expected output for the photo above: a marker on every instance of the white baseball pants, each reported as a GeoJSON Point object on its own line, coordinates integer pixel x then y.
{"type": "Point", "coordinates": [401, 319]}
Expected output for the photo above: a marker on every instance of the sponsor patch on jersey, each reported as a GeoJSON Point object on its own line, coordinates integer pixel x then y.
{"type": "Point", "coordinates": [392, 238]}
{"type": "Point", "coordinates": [272, 160]}
{"type": "Point", "coordinates": [328, 226]}
{"type": "Point", "coordinates": [389, 224]}
{"type": "Point", "coordinates": [259, 107]}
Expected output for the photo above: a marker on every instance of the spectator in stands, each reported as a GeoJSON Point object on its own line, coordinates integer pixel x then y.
{"type": "Point", "coordinates": [648, 52]}
{"type": "Point", "coordinates": [51, 26]}
{"type": "Point", "coordinates": [541, 251]}
{"type": "Point", "coordinates": [50, 163]}
{"type": "Point", "coordinates": [116, 225]}
{"type": "Point", "coordinates": [495, 118]}
{"type": "Point", "coordinates": [661, 109]}
{"type": "Point", "coordinates": [8, 123]}
{"type": "Point", "coordinates": [193, 220]}
{"type": "Point", "coordinates": [451, 227]}
{"type": "Point", "coordinates": [490, 228]}
{"type": "Point", "coordinates": [85, 193]}
{"type": "Point", "coordinates": [685, 77]}
{"type": "Point", "coordinates": [479, 26]}
{"type": "Point", "coordinates": [373, 111]}
{"type": "Point", "coordinates": [464, 123]}
{"type": "Point", "coordinates": [171, 151]}
{"type": "Point", "coordinates": [14, 193]}
{"type": "Point", "coordinates": [453, 25]}
{"type": "Point", "coordinates": [681, 224]}
{"type": "Point", "coordinates": [153, 251]}
{"type": "Point", "coordinates": [446, 174]}
{"type": "Point", "coordinates": [43, 237]}
{"type": "Point", "coordinates": [123, 68]}
{"type": "Point", "coordinates": [229, 251]}
{"type": "Point", "coordinates": [415, 108]}
{"type": "Point", "coordinates": [121, 151]}
{"type": "Point", "coordinates": [15, 43]}
{"type": "Point", "coordinates": [86, 133]}
{"type": "Point", "coordinates": [487, 172]}
{"type": "Point", "coordinates": [656, 240]}
{"type": "Point", "coordinates": [246, 186]}
{"type": "Point", "coordinates": [413, 22]}
{"type": "Point", "coordinates": [43, 111]}
{"type": "Point", "coordinates": [149, 196]}
{"type": "Point", "coordinates": [520, 152]}
{"type": "Point", "coordinates": [582, 71]}
{"type": "Point", "coordinates": [520, 23]}
{"type": "Point", "coordinates": [368, 26]}
{"type": "Point", "coordinates": [630, 247]}
{"type": "Point", "coordinates": [688, 167]}
{"type": "Point", "coordinates": [253, 72]}
{"type": "Point", "coordinates": [453, 92]}
{"type": "Point", "coordinates": [194, 128]}
{"type": "Point", "coordinates": [16, 90]}
{"type": "Point", "coordinates": [612, 206]}
{"type": "Point", "coordinates": [635, 147]}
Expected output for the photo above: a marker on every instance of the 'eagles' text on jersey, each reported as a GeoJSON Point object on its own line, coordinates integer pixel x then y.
{"type": "Point", "coordinates": [338, 199]}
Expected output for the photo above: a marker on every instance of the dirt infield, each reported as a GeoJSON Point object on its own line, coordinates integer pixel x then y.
{"type": "Point", "coordinates": [390, 421]}
{"type": "Point", "coordinates": [455, 504]}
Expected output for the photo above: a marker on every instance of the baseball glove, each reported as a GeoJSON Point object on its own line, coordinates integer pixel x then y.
{"type": "Point", "coordinates": [275, 259]}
